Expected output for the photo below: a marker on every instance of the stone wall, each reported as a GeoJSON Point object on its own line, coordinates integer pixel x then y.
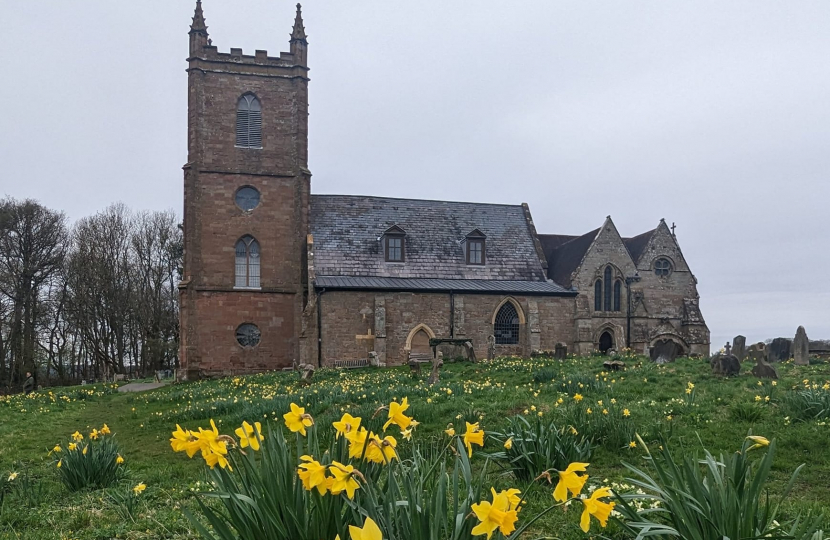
{"type": "Point", "coordinates": [350, 317]}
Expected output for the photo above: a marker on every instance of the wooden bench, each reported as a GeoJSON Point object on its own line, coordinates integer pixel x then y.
{"type": "Point", "coordinates": [352, 364]}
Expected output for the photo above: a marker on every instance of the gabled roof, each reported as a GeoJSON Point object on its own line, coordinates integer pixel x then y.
{"type": "Point", "coordinates": [565, 257]}
{"type": "Point", "coordinates": [347, 231]}
{"type": "Point", "coordinates": [638, 244]}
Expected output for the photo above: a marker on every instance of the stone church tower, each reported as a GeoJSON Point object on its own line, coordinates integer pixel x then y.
{"type": "Point", "coordinates": [246, 200]}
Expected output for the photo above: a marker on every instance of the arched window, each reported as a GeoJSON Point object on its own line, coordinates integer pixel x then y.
{"type": "Point", "coordinates": [506, 327]}
{"type": "Point", "coordinates": [247, 262]}
{"type": "Point", "coordinates": [248, 122]}
{"type": "Point", "coordinates": [617, 292]}
{"type": "Point", "coordinates": [608, 287]}
{"type": "Point", "coordinates": [662, 267]}
{"type": "Point", "coordinates": [598, 295]}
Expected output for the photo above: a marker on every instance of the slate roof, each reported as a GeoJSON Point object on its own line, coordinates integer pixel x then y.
{"type": "Point", "coordinates": [638, 244]}
{"type": "Point", "coordinates": [483, 286]}
{"type": "Point", "coordinates": [347, 231]}
{"type": "Point", "coordinates": [565, 257]}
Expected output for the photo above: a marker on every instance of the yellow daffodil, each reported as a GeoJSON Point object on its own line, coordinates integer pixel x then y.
{"type": "Point", "coordinates": [72, 446]}
{"type": "Point", "coordinates": [570, 481]}
{"type": "Point", "coordinates": [249, 435]}
{"type": "Point", "coordinates": [473, 435]}
{"type": "Point", "coordinates": [632, 444]}
{"type": "Point", "coordinates": [60, 461]}
{"type": "Point", "coordinates": [57, 448]}
{"type": "Point", "coordinates": [213, 459]}
{"type": "Point", "coordinates": [296, 420]}
{"type": "Point", "coordinates": [346, 425]}
{"type": "Point", "coordinates": [397, 416]}
{"type": "Point", "coordinates": [105, 430]}
{"type": "Point", "coordinates": [407, 434]}
{"type": "Point", "coordinates": [139, 488]}
{"type": "Point", "coordinates": [497, 514]}
{"type": "Point", "coordinates": [626, 413]}
{"type": "Point", "coordinates": [508, 444]}
{"type": "Point", "coordinates": [381, 450]}
{"type": "Point", "coordinates": [12, 477]}
{"type": "Point", "coordinates": [94, 434]}
{"type": "Point", "coordinates": [577, 397]}
{"type": "Point", "coordinates": [119, 460]}
{"type": "Point", "coordinates": [343, 479]}
{"type": "Point", "coordinates": [370, 531]}
{"type": "Point", "coordinates": [759, 441]}
{"type": "Point", "coordinates": [84, 450]}
{"type": "Point", "coordinates": [450, 431]}
{"type": "Point", "coordinates": [312, 474]}
{"type": "Point", "coordinates": [357, 442]}
{"type": "Point", "coordinates": [77, 437]}
{"type": "Point", "coordinates": [594, 507]}
{"type": "Point", "coordinates": [184, 441]}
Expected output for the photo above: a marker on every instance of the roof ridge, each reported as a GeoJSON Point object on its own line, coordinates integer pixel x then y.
{"type": "Point", "coordinates": [413, 199]}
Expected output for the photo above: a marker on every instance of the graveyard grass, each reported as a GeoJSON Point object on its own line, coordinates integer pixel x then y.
{"type": "Point", "coordinates": [717, 415]}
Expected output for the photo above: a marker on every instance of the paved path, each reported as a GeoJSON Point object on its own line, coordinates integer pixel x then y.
{"type": "Point", "coordinates": [140, 387]}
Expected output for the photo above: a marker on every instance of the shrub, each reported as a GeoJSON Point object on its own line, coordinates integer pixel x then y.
{"type": "Point", "coordinates": [537, 446]}
{"type": "Point", "coordinates": [709, 498]}
{"type": "Point", "coordinates": [807, 404]}
{"type": "Point", "coordinates": [94, 462]}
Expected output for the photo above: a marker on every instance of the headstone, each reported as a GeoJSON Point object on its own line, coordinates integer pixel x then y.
{"type": "Point", "coordinates": [664, 351]}
{"type": "Point", "coordinates": [560, 352]}
{"type": "Point", "coordinates": [470, 350]}
{"type": "Point", "coordinates": [306, 371]}
{"type": "Point", "coordinates": [763, 370]}
{"type": "Point", "coordinates": [414, 367]}
{"type": "Point", "coordinates": [739, 347]}
{"type": "Point", "coordinates": [801, 347]}
{"type": "Point", "coordinates": [725, 366]}
{"type": "Point", "coordinates": [611, 352]}
{"type": "Point", "coordinates": [491, 347]}
{"type": "Point", "coordinates": [613, 365]}
{"type": "Point", "coordinates": [373, 359]}
{"type": "Point", "coordinates": [758, 352]}
{"type": "Point", "coordinates": [779, 349]}
{"type": "Point", "coordinates": [435, 376]}
{"type": "Point", "coordinates": [728, 349]}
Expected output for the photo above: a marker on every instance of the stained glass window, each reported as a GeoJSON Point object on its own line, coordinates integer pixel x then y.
{"type": "Point", "coordinates": [248, 335]}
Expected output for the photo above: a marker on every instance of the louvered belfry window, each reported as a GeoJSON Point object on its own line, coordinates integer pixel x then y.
{"type": "Point", "coordinates": [247, 262]}
{"type": "Point", "coordinates": [248, 122]}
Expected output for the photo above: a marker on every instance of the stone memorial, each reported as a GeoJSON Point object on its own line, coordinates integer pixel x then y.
{"type": "Point", "coordinates": [435, 375]}
{"type": "Point", "coordinates": [779, 350]}
{"type": "Point", "coordinates": [801, 347]}
{"type": "Point", "coordinates": [560, 352]}
{"type": "Point", "coordinates": [739, 347]}
{"type": "Point", "coordinates": [664, 351]}
{"type": "Point", "coordinates": [725, 365]}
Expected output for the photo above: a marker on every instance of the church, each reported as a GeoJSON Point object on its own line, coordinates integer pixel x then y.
{"type": "Point", "coordinates": [275, 275]}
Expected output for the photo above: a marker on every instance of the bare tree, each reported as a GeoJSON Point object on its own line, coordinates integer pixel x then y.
{"type": "Point", "coordinates": [33, 243]}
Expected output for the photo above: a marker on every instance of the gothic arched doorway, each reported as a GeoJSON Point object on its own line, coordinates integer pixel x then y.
{"type": "Point", "coordinates": [606, 341]}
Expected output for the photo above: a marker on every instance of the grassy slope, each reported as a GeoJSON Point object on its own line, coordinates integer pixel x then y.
{"type": "Point", "coordinates": [29, 427]}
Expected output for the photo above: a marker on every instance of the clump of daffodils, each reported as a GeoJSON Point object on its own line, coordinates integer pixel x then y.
{"type": "Point", "coordinates": [212, 445]}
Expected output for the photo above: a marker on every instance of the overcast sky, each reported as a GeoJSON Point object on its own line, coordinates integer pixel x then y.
{"type": "Point", "coordinates": [714, 115]}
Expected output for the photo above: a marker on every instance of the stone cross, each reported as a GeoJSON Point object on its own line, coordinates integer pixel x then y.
{"type": "Point", "coordinates": [728, 349]}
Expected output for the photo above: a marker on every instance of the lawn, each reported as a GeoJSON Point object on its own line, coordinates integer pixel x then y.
{"type": "Point", "coordinates": [680, 402]}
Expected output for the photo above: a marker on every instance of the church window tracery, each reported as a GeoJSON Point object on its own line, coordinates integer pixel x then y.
{"type": "Point", "coordinates": [247, 262]}
{"type": "Point", "coordinates": [662, 267]}
{"type": "Point", "coordinates": [506, 326]}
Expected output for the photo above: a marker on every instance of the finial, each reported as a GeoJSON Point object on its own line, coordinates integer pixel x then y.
{"type": "Point", "coordinates": [298, 32]}
{"type": "Point", "coordinates": [198, 20]}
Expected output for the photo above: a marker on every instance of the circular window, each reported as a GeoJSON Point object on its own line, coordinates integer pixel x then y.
{"type": "Point", "coordinates": [248, 335]}
{"type": "Point", "coordinates": [247, 198]}
{"type": "Point", "coordinates": [662, 267]}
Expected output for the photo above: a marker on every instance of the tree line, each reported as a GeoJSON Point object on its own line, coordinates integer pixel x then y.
{"type": "Point", "coordinates": [87, 300]}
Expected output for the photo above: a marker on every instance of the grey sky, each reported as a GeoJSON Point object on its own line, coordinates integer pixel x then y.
{"type": "Point", "coordinates": [714, 115]}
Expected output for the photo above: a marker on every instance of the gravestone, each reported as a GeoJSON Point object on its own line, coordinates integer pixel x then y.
{"type": "Point", "coordinates": [779, 349]}
{"type": "Point", "coordinates": [306, 371]}
{"type": "Point", "coordinates": [801, 347]}
{"type": "Point", "coordinates": [491, 347]}
{"type": "Point", "coordinates": [764, 370]}
{"type": "Point", "coordinates": [560, 352]}
{"type": "Point", "coordinates": [758, 352]}
{"type": "Point", "coordinates": [725, 365]}
{"type": "Point", "coordinates": [435, 376]}
{"type": "Point", "coordinates": [739, 347]}
{"type": "Point", "coordinates": [664, 351]}
{"type": "Point", "coordinates": [414, 367]}
{"type": "Point", "coordinates": [613, 365]}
